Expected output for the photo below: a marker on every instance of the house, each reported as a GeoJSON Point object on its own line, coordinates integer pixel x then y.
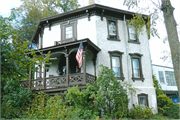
{"type": "Point", "coordinates": [106, 40]}
{"type": "Point", "coordinates": [167, 81]}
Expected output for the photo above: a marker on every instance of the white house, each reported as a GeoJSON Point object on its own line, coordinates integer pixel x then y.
{"type": "Point", "coordinates": [106, 40]}
{"type": "Point", "coordinates": [167, 81]}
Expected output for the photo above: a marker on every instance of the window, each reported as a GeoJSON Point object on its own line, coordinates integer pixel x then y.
{"type": "Point", "coordinates": [161, 76]}
{"type": "Point", "coordinates": [136, 66]}
{"type": "Point", "coordinates": [68, 31]}
{"type": "Point", "coordinates": [132, 35]}
{"type": "Point", "coordinates": [170, 79]}
{"type": "Point", "coordinates": [112, 29]}
{"type": "Point", "coordinates": [116, 63]}
{"type": "Point", "coordinates": [143, 99]}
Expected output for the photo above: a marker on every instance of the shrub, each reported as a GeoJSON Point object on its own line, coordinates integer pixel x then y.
{"type": "Point", "coordinates": [15, 101]}
{"type": "Point", "coordinates": [165, 105]}
{"type": "Point", "coordinates": [75, 106]}
{"type": "Point", "coordinates": [111, 94]}
{"type": "Point", "coordinates": [140, 112]}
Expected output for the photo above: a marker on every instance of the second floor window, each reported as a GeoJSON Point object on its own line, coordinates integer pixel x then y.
{"type": "Point", "coordinates": [112, 29]}
{"type": "Point", "coordinates": [132, 34]}
{"type": "Point", "coordinates": [69, 32]}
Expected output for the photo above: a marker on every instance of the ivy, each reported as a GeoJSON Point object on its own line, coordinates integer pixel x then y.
{"type": "Point", "coordinates": [138, 22]}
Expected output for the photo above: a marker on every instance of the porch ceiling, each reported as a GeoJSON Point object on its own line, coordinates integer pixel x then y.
{"type": "Point", "coordinates": [70, 45]}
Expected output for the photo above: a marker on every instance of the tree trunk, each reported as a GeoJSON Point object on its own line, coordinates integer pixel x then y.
{"type": "Point", "coordinates": [174, 43]}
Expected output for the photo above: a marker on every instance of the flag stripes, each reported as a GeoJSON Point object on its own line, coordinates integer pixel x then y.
{"type": "Point", "coordinates": [79, 55]}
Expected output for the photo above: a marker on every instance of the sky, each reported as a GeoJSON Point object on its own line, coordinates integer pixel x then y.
{"type": "Point", "coordinates": [156, 45]}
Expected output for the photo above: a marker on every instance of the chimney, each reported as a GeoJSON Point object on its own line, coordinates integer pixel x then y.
{"type": "Point", "coordinates": [91, 2]}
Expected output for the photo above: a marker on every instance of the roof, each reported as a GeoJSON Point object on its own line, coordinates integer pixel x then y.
{"type": "Point", "coordinates": [162, 66]}
{"type": "Point", "coordinates": [94, 9]}
{"type": "Point", "coordinates": [70, 45]}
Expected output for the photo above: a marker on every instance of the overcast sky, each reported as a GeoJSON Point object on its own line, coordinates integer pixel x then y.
{"type": "Point", "coordinates": [156, 45]}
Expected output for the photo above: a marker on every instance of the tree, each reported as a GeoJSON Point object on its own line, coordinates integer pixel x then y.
{"type": "Point", "coordinates": [111, 94]}
{"type": "Point", "coordinates": [31, 11]}
{"type": "Point", "coordinates": [15, 65]}
{"type": "Point", "coordinates": [170, 23]}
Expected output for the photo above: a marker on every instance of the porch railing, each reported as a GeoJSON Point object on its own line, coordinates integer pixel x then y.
{"type": "Point", "coordinates": [58, 81]}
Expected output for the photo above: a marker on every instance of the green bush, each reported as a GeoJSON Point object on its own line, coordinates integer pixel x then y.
{"type": "Point", "coordinates": [15, 101]}
{"type": "Point", "coordinates": [76, 106]}
{"type": "Point", "coordinates": [159, 116]}
{"type": "Point", "coordinates": [165, 105]}
{"type": "Point", "coordinates": [111, 94]}
{"type": "Point", "coordinates": [140, 112]}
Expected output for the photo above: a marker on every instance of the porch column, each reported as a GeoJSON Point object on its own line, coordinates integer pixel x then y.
{"type": "Point", "coordinates": [30, 78]}
{"type": "Point", "coordinates": [84, 68]}
{"type": "Point", "coordinates": [44, 78]}
{"type": "Point", "coordinates": [67, 70]}
{"type": "Point", "coordinates": [94, 62]}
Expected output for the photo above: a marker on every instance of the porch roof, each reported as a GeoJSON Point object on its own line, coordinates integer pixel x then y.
{"type": "Point", "coordinates": [74, 44]}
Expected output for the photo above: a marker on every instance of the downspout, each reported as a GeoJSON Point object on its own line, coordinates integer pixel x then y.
{"type": "Point", "coordinates": [127, 57]}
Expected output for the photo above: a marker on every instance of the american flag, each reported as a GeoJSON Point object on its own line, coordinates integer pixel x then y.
{"type": "Point", "coordinates": [79, 55]}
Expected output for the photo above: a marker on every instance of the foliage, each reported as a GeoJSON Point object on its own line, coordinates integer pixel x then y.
{"type": "Point", "coordinates": [106, 94]}
{"type": "Point", "coordinates": [138, 22]}
{"type": "Point", "coordinates": [82, 101]}
{"type": "Point", "coordinates": [140, 112]}
{"type": "Point", "coordinates": [15, 64]}
{"type": "Point", "coordinates": [111, 94]}
{"type": "Point", "coordinates": [165, 104]}
{"type": "Point", "coordinates": [55, 107]}
{"type": "Point", "coordinates": [15, 100]}
{"type": "Point", "coordinates": [31, 11]}
{"type": "Point", "coordinates": [159, 116]}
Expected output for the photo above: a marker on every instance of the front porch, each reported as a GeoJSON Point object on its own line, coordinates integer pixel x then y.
{"type": "Point", "coordinates": [64, 71]}
{"type": "Point", "coordinates": [58, 83]}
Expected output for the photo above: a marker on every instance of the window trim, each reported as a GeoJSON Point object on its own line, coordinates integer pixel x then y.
{"type": "Point", "coordinates": [117, 54]}
{"type": "Point", "coordinates": [143, 94]}
{"type": "Point", "coordinates": [132, 41]}
{"type": "Point", "coordinates": [74, 30]}
{"type": "Point", "coordinates": [137, 56]}
{"type": "Point", "coordinates": [117, 35]}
